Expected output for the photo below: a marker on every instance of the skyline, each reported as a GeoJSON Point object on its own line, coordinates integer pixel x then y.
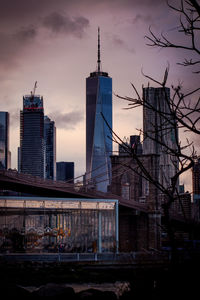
{"type": "Point", "coordinates": [55, 44]}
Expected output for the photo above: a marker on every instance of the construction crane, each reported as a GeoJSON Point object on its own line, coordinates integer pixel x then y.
{"type": "Point", "coordinates": [33, 93]}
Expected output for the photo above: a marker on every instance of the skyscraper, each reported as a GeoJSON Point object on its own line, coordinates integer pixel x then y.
{"type": "Point", "coordinates": [32, 136]}
{"type": "Point", "coordinates": [196, 180]}
{"type": "Point", "coordinates": [196, 187]}
{"type": "Point", "coordinates": [5, 154]}
{"type": "Point", "coordinates": [50, 148]}
{"type": "Point", "coordinates": [123, 147]}
{"type": "Point", "coordinates": [135, 144]}
{"type": "Point", "coordinates": [65, 171]}
{"type": "Point", "coordinates": [98, 134]}
{"type": "Point", "coordinates": [160, 131]}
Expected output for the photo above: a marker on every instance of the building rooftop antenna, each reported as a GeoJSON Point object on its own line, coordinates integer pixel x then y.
{"type": "Point", "coordinates": [99, 54]}
{"type": "Point", "coordinates": [98, 70]}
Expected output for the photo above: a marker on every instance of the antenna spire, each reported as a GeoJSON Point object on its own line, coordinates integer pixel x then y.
{"type": "Point", "coordinates": [99, 54]}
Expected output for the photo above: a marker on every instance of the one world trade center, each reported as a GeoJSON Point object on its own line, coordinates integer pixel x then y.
{"type": "Point", "coordinates": [98, 127]}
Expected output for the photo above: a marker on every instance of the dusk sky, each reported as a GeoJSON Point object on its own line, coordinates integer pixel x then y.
{"type": "Point", "coordinates": [54, 42]}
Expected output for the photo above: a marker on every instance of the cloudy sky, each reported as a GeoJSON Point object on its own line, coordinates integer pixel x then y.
{"type": "Point", "coordinates": [54, 42]}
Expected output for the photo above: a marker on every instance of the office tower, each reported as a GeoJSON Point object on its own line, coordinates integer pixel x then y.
{"type": "Point", "coordinates": [50, 148]}
{"type": "Point", "coordinates": [196, 180]}
{"type": "Point", "coordinates": [5, 155]}
{"type": "Point", "coordinates": [130, 145]}
{"type": "Point", "coordinates": [196, 188]}
{"type": "Point", "coordinates": [32, 136]}
{"type": "Point", "coordinates": [159, 130]}
{"type": "Point", "coordinates": [181, 189]}
{"type": "Point", "coordinates": [135, 144]}
{"type": "Point", "coordinates": [19, 159]}
{"type": "Point", "coordinates": [124, 148]}
{"type": "Point", "coordinates": [65, 171]}
{"type": "Point", "coordinates": [98, 121]}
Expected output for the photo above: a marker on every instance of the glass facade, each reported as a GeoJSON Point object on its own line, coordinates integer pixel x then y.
{"type": "Point", "coordinates": [50, 148]}
{"type": "Point", "coordinates": [58, 225]}
{"type": "Point", "coordinates": [98, 134]}
{"type": "Point", "coordinates": [4, 140]}
{"type": "Point", "coordinates": [65, 171]}
{"type": "Point", "coordinates": [32, 147]}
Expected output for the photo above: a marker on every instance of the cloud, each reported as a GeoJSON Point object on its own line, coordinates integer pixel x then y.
{"type": "Point", "coordinates": [118, 42]}
{"type": "Point", "coordinates": [26, 11]}
{"type": "Point", "coordinates": [13, 44]}
{"type": "Point", "coordinates": [26, 34]}
{"type": "Point", "coordinates": [66, 120]}
{"type": "Point", "coordinates": [9, 50]}
{"type": "Point", "coordinates": [14, 118]}
{"type": "Point", "coordinates": [25, 8]}
{"type": "Point", "coordinates": [59, 23]}
{"type": "Point", "coordinates": [142, 18]}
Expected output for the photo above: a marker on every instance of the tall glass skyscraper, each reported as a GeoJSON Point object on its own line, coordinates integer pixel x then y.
{"type": "Point", "coordinates": [32, 145]}
{"type": "Point", "coordinates": [98, 134]}
{"type": "Point", "coordinates": [5, 154]}
{"type": "Point", "coordinates": [50, 148]}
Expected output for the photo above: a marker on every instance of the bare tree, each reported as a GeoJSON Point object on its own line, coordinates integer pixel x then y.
{"type": "Point", "coordinates": [182, 113]}
{"type": "Point", "coordinates": [189, 18]}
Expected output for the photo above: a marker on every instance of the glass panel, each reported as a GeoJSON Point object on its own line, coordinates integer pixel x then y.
{"type": "Point", "coordinates": [106, 205]}
{"type": "Point", "coordinates": [88, 205]}
{"type": "Point", "coordinates": [34, 227]}
{"type": "Point", "coordinates": [98, 143]}
{"type": "Point", "coordinates": [14, 203]}
{"type": "Point", "coordinates": [34, 204]}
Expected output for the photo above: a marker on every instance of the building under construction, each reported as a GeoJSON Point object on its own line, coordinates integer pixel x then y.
{"type": "Point", "coordinates": [32, 145]}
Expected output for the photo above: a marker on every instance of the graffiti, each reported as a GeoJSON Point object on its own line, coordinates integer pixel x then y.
{"type": "Point", "coordinates": [72, 231]}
